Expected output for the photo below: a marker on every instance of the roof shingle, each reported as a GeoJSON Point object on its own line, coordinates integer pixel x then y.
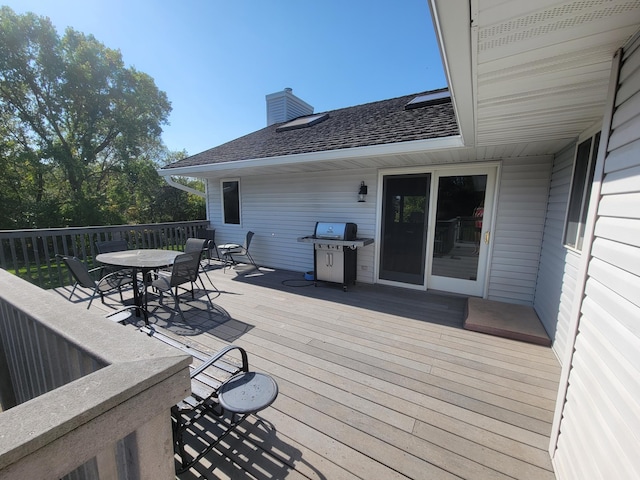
{"type": "Point", "coordinates": [376, 123]}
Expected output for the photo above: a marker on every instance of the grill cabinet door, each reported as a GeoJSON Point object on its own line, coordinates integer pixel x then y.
{"type": "Point", "coordinates": [329, 263]}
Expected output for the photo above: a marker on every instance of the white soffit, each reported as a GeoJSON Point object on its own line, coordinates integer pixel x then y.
{"type": "Point", "coordinates": [539, 69]}
{"type": "Point", "coordinates": [542, 68]}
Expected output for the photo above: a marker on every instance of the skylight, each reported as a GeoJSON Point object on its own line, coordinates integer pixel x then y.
{"type": "Point", "coordinates": [303, 122]}
{"type": "Point", "coordinates": [433, 98]}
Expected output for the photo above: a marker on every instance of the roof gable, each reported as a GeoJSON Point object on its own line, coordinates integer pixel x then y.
{"type": "Point", "coordinates": [378, 123]}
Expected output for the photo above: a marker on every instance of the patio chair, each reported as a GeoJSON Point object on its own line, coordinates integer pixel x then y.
{"type": "Point", "coordinates": [222, 389]}
{"type": "Point", "coordinates": [83, 277]}
{"type": "Point", "coordinates": [199, 246]}
{"type": "Point", "coordinates": [112, 246]}
{"type": "Point", "coordinates": [184, 271]}
{"type": "Point", "coordinates": [231, 250]}
{"type": "Point", "coordinates": [209, 234]}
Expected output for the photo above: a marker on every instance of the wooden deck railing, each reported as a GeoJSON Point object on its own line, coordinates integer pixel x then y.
{"type": "Point", "coordinates": [31, 254]}
{"type": "Point", "coordinates": [80, 396]}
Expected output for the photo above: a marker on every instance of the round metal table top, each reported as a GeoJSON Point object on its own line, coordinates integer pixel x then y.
{"type": "Point", "coordinates": [248, 392]}
{"type": "Point", "coordinates": [144, 258]}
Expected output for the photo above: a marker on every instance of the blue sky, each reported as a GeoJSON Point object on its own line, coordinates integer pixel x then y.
{"type": "Point", "coordinates": [216, 60]}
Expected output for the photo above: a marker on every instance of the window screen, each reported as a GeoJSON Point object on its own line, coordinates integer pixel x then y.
{"type": "Point", "coordinates": [231, 201]}
{"type": "Point", "coordinates": [583, 171]}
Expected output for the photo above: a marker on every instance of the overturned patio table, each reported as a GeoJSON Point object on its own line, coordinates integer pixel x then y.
{"type": "Point", "coordinates": [142, 261]}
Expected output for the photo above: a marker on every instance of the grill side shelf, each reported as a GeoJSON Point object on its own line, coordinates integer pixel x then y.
{"type": "Point", "coordinates": [357, 243]}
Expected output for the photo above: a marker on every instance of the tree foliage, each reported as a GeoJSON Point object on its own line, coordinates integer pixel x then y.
{"type": "Point", "coordinates": [80, 132]}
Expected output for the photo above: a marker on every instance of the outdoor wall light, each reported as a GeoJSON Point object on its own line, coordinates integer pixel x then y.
{"type": "Point", "coordinates": [362, 193]}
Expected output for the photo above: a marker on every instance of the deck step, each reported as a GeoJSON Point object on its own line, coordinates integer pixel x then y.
{"type": "Point", "coordinates": [518, 322]}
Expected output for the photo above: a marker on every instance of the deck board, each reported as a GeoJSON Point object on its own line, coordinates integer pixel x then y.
{"type": "Point", "coordinates": [377, 382]}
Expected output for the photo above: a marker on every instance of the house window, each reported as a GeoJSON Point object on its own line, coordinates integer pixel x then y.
{"type": "Point", "coordinates": [231, 201]}
{"type": "Point", "coordinates": [583, 170]}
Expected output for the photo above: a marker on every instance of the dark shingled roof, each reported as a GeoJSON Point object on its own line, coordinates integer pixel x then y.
{"type": "Point", "coordinates": [376, 123]}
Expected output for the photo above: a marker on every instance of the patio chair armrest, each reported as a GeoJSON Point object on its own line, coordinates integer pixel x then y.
{"type": "Point", "coordinates": [229, 246]}
{"type": "Point", "coordinates": [206, 362]}
{"type": "Point", "coordinates": [218, 355]}
{"type": "Point", "coordinates": [120, 279]}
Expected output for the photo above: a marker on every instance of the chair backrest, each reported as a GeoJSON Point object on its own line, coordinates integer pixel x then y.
{"type": "Point", "coordinates": [195, 245]}
{"type": "Point", "coordinates": [185, 269]}
{"type": "Point", "coordinates": [247, 240]}
{"type": "Point", "coordinates": [111, 246]}
{"type": "Point", "coordinates": [206, 233]}
{"type": "Point", "coordinates": [79, 271]}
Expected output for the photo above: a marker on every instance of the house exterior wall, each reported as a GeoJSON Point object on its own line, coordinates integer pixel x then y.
{"type": "Point", "coordinates": [600, 416]}
{"type": "Point", "coordinates": [558, 266]}
{"type": "Point", "coordinates": [517, 236]}
{"type": "Point", "coordinates": [279, 209]}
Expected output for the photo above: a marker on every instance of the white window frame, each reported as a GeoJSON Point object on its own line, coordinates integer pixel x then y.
{"type": "Point", "coordinates": [222, 201]}
{"type": "Point", "coordinates": [579, 195]}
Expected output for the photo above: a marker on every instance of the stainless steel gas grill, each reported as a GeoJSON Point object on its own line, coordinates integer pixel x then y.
{"type": "Point", "coordinates": [335, 252]}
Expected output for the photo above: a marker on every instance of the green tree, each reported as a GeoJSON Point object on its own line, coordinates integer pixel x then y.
{"type": "Point", "coordinates": [170, 204]}
{"type": "Point", "coordinates": [140, 195]}
{"type": "Point", "coordinates": [77, 120]}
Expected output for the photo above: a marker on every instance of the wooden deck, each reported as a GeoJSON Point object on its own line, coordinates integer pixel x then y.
{"type": "Point", "coordinates": [375, 383]}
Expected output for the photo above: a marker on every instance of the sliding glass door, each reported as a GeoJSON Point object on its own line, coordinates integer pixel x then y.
{"type": "Point", "coordinates": [404, 227]}
{"type": "Point", "coordinates": [461, 236]}
{"type": "Point", "coordinates": [435, 229]}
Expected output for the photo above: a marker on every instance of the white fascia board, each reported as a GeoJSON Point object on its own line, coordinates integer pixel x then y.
{"type": "Point", "coordinates": [453, 24]}
{"type": "Point", "coordinates": [415, 146]}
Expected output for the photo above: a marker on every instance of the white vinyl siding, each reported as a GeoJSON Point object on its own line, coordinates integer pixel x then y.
{"type": "Point", "coordinates": [284, 106]}
{"type": "Point", "coordinates": [517, 235]}
{"type": "Point", "coordinates": [280, 208]}
{"type": "Point", "coordinates": [556, 281]}
{"type": "Point", "coordinates": [601, 417]}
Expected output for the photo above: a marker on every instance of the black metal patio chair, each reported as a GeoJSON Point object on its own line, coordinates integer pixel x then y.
{"type": "Point", "coordinates": [230, 251]}
{"type": "Point", "coordinates": [222, 389]}
{"type": "Point", "coordinates": [112, 246]}
{"type": "Point", "coordinates": [209, 234]}
{"type": "Point", "coordinates": [185, 270]}
{"type": "Point", "coordinates": [83, 277]}
{"type": "Point", "coordinates": [109, 246]}
{"type": "Point", "coordinates": [199, 246]}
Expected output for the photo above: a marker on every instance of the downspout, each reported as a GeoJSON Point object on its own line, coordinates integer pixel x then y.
{"type": "Point", "coordinates": [180, 186]}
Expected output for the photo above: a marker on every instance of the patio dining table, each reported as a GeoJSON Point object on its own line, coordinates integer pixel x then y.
{"type": "Point", "coordinates": [142, 261]}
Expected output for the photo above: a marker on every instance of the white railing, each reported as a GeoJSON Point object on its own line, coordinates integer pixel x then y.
{"type": "Point", "coordinates": [82, 397]}
{"type": "Point", "coordinates": [31, 254]}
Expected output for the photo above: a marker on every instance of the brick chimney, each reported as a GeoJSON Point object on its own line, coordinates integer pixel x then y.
{"type": "Point", "coordinates": [284, 106]}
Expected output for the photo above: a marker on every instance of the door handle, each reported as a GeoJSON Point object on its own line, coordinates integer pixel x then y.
{"type": "Point", "coordinates": [486, 237]}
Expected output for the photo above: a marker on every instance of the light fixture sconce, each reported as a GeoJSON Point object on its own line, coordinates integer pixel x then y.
{"type": "Point", "coordinates": [362, 193]}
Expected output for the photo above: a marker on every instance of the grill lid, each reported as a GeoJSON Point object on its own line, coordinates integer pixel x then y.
{"type": "Point", "coordinates": [336, 230]}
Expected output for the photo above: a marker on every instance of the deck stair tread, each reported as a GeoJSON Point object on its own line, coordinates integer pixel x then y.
{"type": "Point", "coordinates": [517, 322]}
